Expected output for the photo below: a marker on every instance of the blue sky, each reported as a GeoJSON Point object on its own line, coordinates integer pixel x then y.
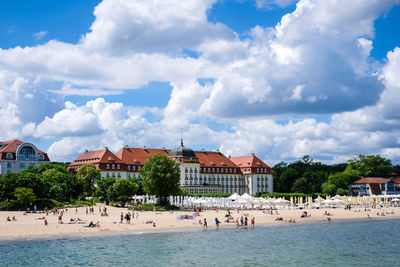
{"type": "Point", "coordinates": [225, 71]}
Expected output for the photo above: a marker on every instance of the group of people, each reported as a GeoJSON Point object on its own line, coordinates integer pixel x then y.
{"type": "Point", "coordinates": [128, 216]}
{"type": "Point", "coordinates": [11, 220]}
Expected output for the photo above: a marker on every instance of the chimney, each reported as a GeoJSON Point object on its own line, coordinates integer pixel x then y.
{"type": "Point", "coordinates": [229, 156]}
{"type": "Point", "coordinates": [126, 146]}
{"type": "Point", "coordinates": [252, 154]}
{"type": "Point", "coordinates": [86, 151]}
{"type": "Point", "coordinates": [106, 148]}
{"type": "Point", "coordinates": [163, 148]}
{"type": "Point", "coordinates": [217, 150]}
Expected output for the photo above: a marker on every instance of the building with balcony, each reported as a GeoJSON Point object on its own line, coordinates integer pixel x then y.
{"type": "Point", "coordinates": [15, 155]}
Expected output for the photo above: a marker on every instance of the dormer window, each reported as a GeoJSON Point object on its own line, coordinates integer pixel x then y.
{"type": "Point", "coordinates": [9, 156]}
{"type": "Point", "coordinates": [41, 157]}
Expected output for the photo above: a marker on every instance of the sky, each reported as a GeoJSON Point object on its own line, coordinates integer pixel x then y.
{"type": "Point", "coordinates": [278, 78]}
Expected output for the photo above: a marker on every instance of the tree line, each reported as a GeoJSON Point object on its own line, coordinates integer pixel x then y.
{"type": "Point", "coordinates": [51, 184]}
{"type": "Point", "coordinates": [309, 176]}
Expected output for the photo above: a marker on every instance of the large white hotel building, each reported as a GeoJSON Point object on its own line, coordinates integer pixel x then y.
{"type": "Point", "coordinates": [201, 171]}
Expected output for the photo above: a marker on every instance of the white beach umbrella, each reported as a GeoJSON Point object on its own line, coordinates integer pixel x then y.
{"type": "Point", "coordinates": [246, 196]}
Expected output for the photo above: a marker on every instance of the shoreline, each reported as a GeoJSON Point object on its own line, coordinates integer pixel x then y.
{"type": "Point", "coordinates": [28, 227]}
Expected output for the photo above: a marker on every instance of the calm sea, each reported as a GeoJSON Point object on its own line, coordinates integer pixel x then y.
{"type": "Point", "coordinates": [355, 243]}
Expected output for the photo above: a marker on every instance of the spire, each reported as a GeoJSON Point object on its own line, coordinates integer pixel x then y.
{"type": "Point", "coordinates": [181, 137]}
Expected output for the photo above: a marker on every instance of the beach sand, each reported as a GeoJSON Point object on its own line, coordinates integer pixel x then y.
{"type": "Point", "coordinates": [28, 226]}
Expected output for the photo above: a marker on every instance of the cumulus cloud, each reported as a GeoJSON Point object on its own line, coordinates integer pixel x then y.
{"type": "Point", "coordinates": [316, 60]}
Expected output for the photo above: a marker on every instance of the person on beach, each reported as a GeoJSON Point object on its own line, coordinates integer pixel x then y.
{"type": "Point", "coordinates": [87, 211]}
{"type": "Point", "coordinates": [76, 210]}
{"type": "Point", "coordinates": [122, 217]}
{"type": "Point", "coordinates": [217, 222]}
{"type": "Point", "coordinates": [205, 224]}
{"type": "Point", "coordinates": [45, 222]}
{"type": "Point", "coordinates": [252, 222]}
{"type": "Point", "coordinates": [14, 219]}
{"type": "Point", "coordinates": [245, 221]}
{"type": "Point", "coordinates": [241, 221]}
{"type": "Point", "coordinates": [154, 224]}
{"type": "Point", "coordinates": [8, 219]}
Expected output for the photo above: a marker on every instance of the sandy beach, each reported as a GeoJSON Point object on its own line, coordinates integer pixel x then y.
{"type": "Point", "coordinates": [30, 225]}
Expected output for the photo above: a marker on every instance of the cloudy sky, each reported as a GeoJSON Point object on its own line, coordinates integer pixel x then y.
{"type": "Point", "coordinates": [279, 78]}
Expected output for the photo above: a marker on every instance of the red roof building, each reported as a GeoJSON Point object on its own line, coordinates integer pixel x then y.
{"type": "Point", "coordinates": [368, 186]}
{"type": "Point", "coordinates": [16, 155]}
{"type": "Point", "coordinates": [199, 169]}
{"type": "Point", "coordinates": [257, 174]}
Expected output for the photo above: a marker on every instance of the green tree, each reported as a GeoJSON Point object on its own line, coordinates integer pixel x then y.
{"type": "Point", "coordinates": [342, 192]}
{"type": "Point", "coordinates": [301, 185]}
{"type": "Point", "coordinates": [24, 196]}
{"type": "Point", "coordinates": [8, 184]}
{"type": "Point", "coordinates": [161, 177]}
{"type": "Point", "coordinates": [102, 186]}
{"type": "Point", "coordinates": [371, 165]}
{"type": "Point", "coordinates": [328, 189]}
{"type": "Point", "coordinates": [122, 190]}
{"type": "Point", "coordinates": [287, 179]}
{"type": "Point", "coordinates": [88, 174]}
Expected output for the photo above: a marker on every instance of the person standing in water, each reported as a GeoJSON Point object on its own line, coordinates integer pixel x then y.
{"type": "Point", "coordinates": [205, 223]}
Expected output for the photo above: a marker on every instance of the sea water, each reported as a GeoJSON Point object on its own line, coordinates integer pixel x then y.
{"type": "Point", "coordinates": [346, 243]}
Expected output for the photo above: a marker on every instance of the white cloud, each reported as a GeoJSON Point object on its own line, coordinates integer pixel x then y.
{"type": "Point", "coordinates": [316, 60]}
{"type": "Point", "coordinates": [273, 3]}
{"type": "Point", "coordinates": [40, 35]}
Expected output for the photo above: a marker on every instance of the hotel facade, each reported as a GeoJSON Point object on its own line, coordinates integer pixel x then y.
{"type": "Point", "coordinates": [202, 172]}
{"type": "Point", "coordinates": [16, 155]}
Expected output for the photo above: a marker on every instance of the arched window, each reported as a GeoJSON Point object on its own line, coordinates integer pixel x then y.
{"type": "Point", "coordinates": [9, 156]}
{"type": "Point", "coordinates": [41, 157]}
{"type": "Point", "coordinates": [27, 153]}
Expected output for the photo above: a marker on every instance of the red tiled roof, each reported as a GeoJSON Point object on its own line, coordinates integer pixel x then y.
{"type": "Point", "coordinates": [95, 157]}
{"type": "Point", "coordinates": [249, 161]}
{"type": "Point", "coordinates": [214, 159]}
{"type": "Point", "coordinates": [396, 180]}
{"type": "Point", "coordinates": [9, 147]}
{"type": "Point", "coordinates": [372, 180]}
{"type": "Point", "coordinates": [138, 156]}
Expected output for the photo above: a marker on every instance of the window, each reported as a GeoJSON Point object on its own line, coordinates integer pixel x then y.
{"type": "Point", "coordinates": [113, 166]}
{"type": "Point", "coordinates": [108, 167]}
{"type": "Point", "coordinates": [41, 157]}
{"type": "Point", "coordinates": [22, 165]}
{"type": "Point", "coordinates": [129, 168]}
{"type": "Point", "coordinates": [213, 169]}
{"type": "Point", "coordinates": [118, 166]}
{"type": "Point", "coordinates": [133, 168]}
{"type": "Point", "coordinates": [234, 170]}
{"type": "Point", "coordinates": [138, 167]}
{"type": "Point", "coordinates": [208, 169]}
{"type": "Point", "coordinates": [9, 156]}
{"type": "Point", "coordinates": [8, 165]}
